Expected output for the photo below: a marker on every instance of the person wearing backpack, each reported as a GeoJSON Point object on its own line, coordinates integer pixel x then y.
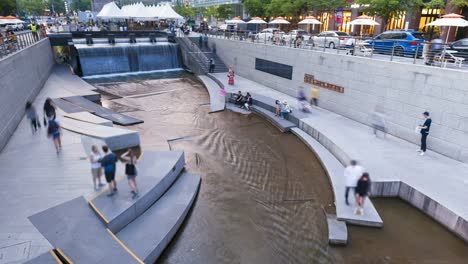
{"type": "Point", "coordinates": [53, 131]}
{"type": "Point", "coordinates": [108, 163]}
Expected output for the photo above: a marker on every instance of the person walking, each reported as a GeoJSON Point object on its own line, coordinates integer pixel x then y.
{"type": "Point", "coordinates": [436, 48]}
{"type": "Point", "coordinates": [108, 163]}
{"type": "Point", "coordinates": [212, 65]}
{"type": "Point", "coordinates": [352, 174]}
{"type": "Point", "coordinates": [362, 191]}
{"type": "Point", "coordinates": [31, 114]}
{"type": "Point", "coordinates": [314, 95]}
{"type": "Point", "coordinates": [34, 32]}
{"type": "Point", "coordinates": [49, 111]}
{"type": "Point", "coordinates": [53, 131]}
{"type": "Point", "coordinates": [230, 76]}
{"type": "Point", "coordinates": [424, 130]}
{"type": "Point", "coordinates": [96, 170]}
{"type": "Point", "coordinates": [378, 122]}
{"type": "Point", "coordinates": [130, 160]}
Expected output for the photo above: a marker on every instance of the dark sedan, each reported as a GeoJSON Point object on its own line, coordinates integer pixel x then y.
{"type": "Point", "coordinates": [461, 46]}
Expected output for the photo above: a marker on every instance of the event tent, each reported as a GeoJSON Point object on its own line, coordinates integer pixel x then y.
{"type": "Point", "coordinates": [110, 10]}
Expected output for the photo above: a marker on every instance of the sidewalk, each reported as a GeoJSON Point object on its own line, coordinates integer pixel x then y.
{"type": "Point", "coordinates": [442, 179]}
{"type": "Point", "coordinates": [34, 178]}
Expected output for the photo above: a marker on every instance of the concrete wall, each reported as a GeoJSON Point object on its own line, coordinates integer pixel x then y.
{"type": "Point", "coordinates": [22, 76]}
{"type": "Point", "coordinates": [404, 91]}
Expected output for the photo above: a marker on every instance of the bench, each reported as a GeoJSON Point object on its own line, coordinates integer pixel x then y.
{"type": "Point", "coordinates": [335, 171]}
{"type": "Point", "coordinates": [283, 124]}
{"type": "Point", "coordinates": [114, 137]}
{"type": "Point", "coordinates": [156, 172]}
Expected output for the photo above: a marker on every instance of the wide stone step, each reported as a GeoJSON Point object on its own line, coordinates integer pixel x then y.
{"type": "Point", "coordinates": [156, 172]}
{"type": "Point", "coordinates": [89, 118]}
{"type": "Point", "coordinates": [46, 258]}
{"type": "Point", "coordinates": [283, 124]}
{"type": "Point", "coordinates": [335, 171]}
{"type": "Point", "coordinates": [150, 233]}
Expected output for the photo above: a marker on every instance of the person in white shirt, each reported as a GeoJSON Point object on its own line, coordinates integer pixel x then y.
{"type": "Point", "coordinates": [96, 169]}
{"type": "Point", "coordinates": [352, 174]}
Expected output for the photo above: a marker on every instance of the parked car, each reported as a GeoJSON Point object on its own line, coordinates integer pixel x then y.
{"type": "Point", "coordinates": [268, 33]}
{"type": "Point", "coordinates": [400, 42]}
{"type": "Point", "coordinates": [461, 46]}
{"type": "Point", "coordinates": [297, 32]}
{"type": "Point", "coordinates": [331, 39]}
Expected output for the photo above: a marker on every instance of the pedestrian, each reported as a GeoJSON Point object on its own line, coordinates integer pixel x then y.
{"type": "Point", "coordinates": [31, 114]}
{"type": "Point", "coordinates": [285, 110]}
{"type": "Point", "coordinates": [34, 31]}
{"type": "Point", "coordinates": [424, 130]}
{"type": "Point", "coordinates": [278, 107]}
{"type": "Point", "coordinates": [108, 163]}
{"type": "Point", "coordinates": [130, 160]}
{"type": "Point", "coordinates": [212, 65]}
{"type": "Point", "coordinates": [248, 102]}
{"type": "Point", "coordinates": [362, 191]}
{"type": "Point", "coordinates": [205, 41]}
{"type": "Point", "coordinates": [378, 122]}
{"type": "Point", "coordinates": [230, 76]}
{"type": "Point", "coordinates": [53, 131]}
{"type": "Point", "coordinates": [200, 41]}
{"type": "Point", "coordinates": [96, 169]}
{"type": "Point", "coordinates": [352, 174]}
{"type": "Point", "coordinates": [436, 48]}
{"type": "Point", "coordinates": [49, 111]}
{"type": "Point", "coordinates": [314, 95]}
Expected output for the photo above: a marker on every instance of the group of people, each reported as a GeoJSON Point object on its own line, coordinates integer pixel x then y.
{"type": "Point", "coordinates": [282, 109]}
{"type": "Point", "coordinates": [358, 180]}
{"type": "Point", "coordinates": [243, 101]}
{"type": "Point", "coordinates": [107, 162]}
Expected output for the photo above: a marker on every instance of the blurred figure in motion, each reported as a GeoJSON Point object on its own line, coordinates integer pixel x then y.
{"type": "Point", "coordinates": [436, 47]}
{"type": "Point", "coordinates": [314, 96]}
{"type": "Point", "coordinates": [130, 160]}
{"type": "Point", "coordinates": [230, 76]}
{"type": "Point", "coordinates": [278, 107]}
{"type": "Point", "coordinates": [352, 174]}
{"type": "Point", "coordinates": [53, 131]}
{"type": "Point", "coordinates": [49, 111]}
{"type": "Point", "coordinates": [302, 99]}
{"type": "Point", "coordinates": [31, 114]}
{"type": "Point", "coordinates": [362, 191]}
{"type": "Point", "coordinates": [212, 65]}
{"type": "Point", "coordinates": [96, 170]}
{"type": "Point", "coordinates": [248, 101]}
{"type": "Point", "coordinates": [378, 122]}
{"type": "Point", "coordinates": [108, 163]}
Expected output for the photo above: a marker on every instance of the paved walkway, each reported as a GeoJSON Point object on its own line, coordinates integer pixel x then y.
{"type": "Point", "coordinates": [392, 159]}
{"type": "Point", "coordinates": [34, 178]}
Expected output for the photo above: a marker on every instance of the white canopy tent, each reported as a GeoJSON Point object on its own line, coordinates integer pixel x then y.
{"type": "Point", "coordinates": [110, 10]}
{"type": "Point", "coordinates": [139, 11]}
{"type": "Point", "coordinates": [166, 12]}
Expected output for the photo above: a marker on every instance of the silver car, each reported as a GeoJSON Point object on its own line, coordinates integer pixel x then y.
{"type": "Point", "coordinates": [331, 39]}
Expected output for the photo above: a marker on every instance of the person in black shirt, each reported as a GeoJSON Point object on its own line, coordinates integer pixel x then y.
{"type": "Point", "coordinates": [362, 191]}
{"type": "Point", "coordinates": [49, 110]}
{"type": "Point", "coordinates": [424, 133]}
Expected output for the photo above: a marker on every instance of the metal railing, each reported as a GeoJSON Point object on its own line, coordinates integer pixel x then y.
{"type": "Point", "coordinates": [414, 52]}
{"type": "Point", "coordinates": [13, 42]}
{"type": "Point", "coordinates": [193, 57]}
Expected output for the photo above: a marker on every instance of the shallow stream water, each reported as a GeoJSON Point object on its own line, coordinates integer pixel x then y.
{"type": "Point", "coordinates": [263, 194]}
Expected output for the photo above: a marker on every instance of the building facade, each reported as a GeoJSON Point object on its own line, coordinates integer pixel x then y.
{"type": "Point", "coordinates": [204, 3]}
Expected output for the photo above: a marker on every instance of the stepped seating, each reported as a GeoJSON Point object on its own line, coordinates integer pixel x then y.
{"type": "Point", "coordinates": [80, 236]}
{"type": "Point", "coordinates": [103, 112]}
{"type": "Point", "coordinates": [335, 171]}
{"type": "Point", "coordinates": [90, 118]}
{"type": "Point", "coordinates": [46, 258]}
{"type": "Point", "coordinates": [156, 172]}
{"type": "Point", "coordinates": [114, 137]}
{"type": "Point", "coordinates": [66, 106]}
{"type": "Point", "coordinates": [217, 101]}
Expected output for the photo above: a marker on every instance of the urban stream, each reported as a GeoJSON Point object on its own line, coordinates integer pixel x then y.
{"type": "Point", "coordinates": [264, 194]}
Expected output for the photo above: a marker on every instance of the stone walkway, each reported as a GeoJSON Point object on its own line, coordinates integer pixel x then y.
{"type": "Point", "coordinates": [442, 179]}
{"type": "Point", "coordinates": [34, 178]}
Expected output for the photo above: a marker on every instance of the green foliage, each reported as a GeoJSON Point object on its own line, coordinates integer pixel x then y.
{"type": "Point", "coordinates": [7, 7]}
{"type": "Point", "coordinates": [435, 4]}
{"type": "Point", "coordinates": [32, 7]}
{"type": "Point", "coordinates": [81, 5]}
{"type": "Point", "coordinates": [459, 3]}
{"type": "Point", "coordinates": [297, 7]}
{"type": "Point", "coordinates": [57, 5]}
{"type": "Point", "coordinates": [185, 11]}
{"type": "Point", "coordinates": [389, 8]}
{"type": "Point", "coordinates": [256, 8]}
{"type": "Point", "coordinates": [224, 11]}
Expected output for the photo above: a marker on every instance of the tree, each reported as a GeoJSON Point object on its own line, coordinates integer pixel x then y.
{"type": "Point", "coordinates": [32, 7]}
{"type": "Point", "coordinates": [459, 3]}
{"type": "Point", "coordinates": [56, 5]}
{"type": "Point", "coordinates": [81, 5]}
{"type": "Point", "coordinates": [224, 11]}
{"type": "Point", "coordinates": [387, 9]}
{"type": "Point", "coordinates": [185, 11]}
{"type": "Point", "coordinates": [7, 7]}
{"type": "Point", "coordinates": [256, 7]}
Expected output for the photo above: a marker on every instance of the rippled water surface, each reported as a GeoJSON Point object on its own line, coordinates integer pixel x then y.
{"type": "Point", "coordinates": [263, 193]}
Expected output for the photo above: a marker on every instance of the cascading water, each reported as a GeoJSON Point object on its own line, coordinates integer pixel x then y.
{"type": "Point", "coordinates": [101, 59]}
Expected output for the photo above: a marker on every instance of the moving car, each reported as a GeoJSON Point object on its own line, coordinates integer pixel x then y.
{"type": "Point", "coordinates": [461, 46]}
{"type": "Point", "coordinates": [268, 33]}
{"type": "Point", "coordinates": [331, 39]}
{"type": "Point", "coordinates": [401, 42]}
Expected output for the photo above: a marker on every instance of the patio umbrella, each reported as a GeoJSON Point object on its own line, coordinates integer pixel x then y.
{"type": "Point", "coordinates": [364, 21]}
{"type": "Point", "coordinates": [257, 20]}
{"type": "Point", "coordinates": [310, 20]}
{"type": "Point", "coordinates": [449, 20]}
{"type": "Point", "coordinates": [235, 20]}
{"type": "Point", "coordinates": [279, 20]}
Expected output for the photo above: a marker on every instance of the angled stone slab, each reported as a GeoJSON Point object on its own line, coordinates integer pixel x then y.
{"type": "Point", "coordinates": [217, 100]}
{"type": "Point", "coordinates": [114, 137]}
{"type": "Point", "coordinates": [150, 233]}
{"type": "Point", "coordinates": [74, 230]}
{"type": "Point", "coordinates": [89, 118]}
{"type": "Point", "coordinates": [237, 109]}
{"type": "Point", "coordinates": [337, 231]}
{"type": "Point", "coordinates": [103, 112]}
{"type": "Point", "coordinates": [335, 172]}
{"type": "Point", "coordinates": [156, 172]}
{"type": "Point", "coordinates": [283, 124]}
{"type": "Point", "coordinates": [66, 106]}
{"type": "Point", "coordinates": [46, 258]}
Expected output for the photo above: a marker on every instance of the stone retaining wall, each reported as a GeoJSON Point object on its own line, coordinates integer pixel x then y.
{"type": "Point", "coordinates": [22, 76]}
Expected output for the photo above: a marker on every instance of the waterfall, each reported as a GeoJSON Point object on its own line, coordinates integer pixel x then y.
{"type": "Point", "coordinates": [122, 58]}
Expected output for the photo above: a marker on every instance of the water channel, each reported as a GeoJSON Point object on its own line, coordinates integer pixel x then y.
{"type": "Point", "coordinates": [264, 194]}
